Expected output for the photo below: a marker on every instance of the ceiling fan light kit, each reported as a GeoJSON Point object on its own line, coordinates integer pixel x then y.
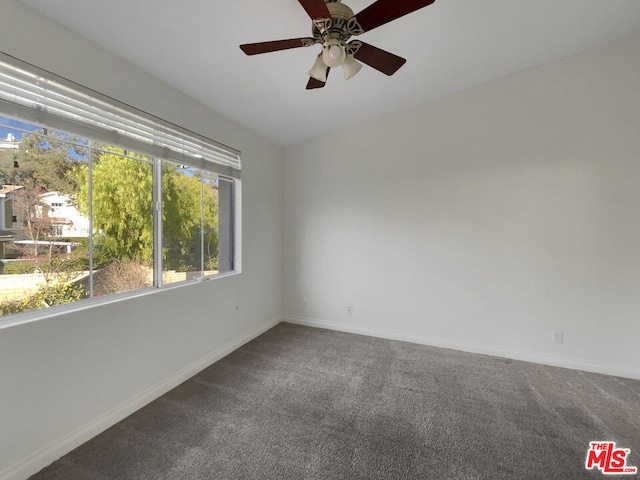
{"type": "Point", "coordinates": [333, 24]}
{"type": "Point", "coordinates": [350, 67]}
{"type": "Point", "coordinates": [319, 70]}
{"type": "Point", "coordinates": [333, 53]}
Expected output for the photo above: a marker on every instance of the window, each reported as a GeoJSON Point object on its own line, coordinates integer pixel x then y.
{"type": "Point", "coordinates": [98, 198]}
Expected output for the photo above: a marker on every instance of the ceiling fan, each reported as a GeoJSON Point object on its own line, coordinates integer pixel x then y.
{"type": "Point", "coordinates": [333, 24]}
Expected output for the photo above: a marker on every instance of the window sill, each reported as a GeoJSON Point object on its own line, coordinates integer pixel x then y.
{"type": "Point", "coordinates": [44, 314]}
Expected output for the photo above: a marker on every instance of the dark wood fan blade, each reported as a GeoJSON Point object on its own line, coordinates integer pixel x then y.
{"type": "Point", "coordinates": [315, 8]}
{"type": "Point", "coordinates": [384, 11]}
{"type": "Point", "coordinates": [313, 83]}
{"type": "Point", "coordinates": [381, 60]}
{"type": "Point", "coordinates": [276, 45]}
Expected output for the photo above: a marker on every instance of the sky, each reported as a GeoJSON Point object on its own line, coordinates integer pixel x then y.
{"type": "Point", "coordinates": [7, 123]}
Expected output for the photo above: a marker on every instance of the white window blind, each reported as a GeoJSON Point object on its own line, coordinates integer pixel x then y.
{"type": "Point", "coordinates": [34, 95]}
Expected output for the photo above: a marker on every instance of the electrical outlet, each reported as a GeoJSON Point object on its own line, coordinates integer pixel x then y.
{"type": "Point", "coordinates": [349, 310]}
{"type": "Point", "coordinates": [556, 337]}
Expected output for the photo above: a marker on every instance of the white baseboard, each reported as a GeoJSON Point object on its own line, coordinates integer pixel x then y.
{"type": "Point", "coordinates": [45, 456]}
{"type": "Point", "coordinates": [485, 349]}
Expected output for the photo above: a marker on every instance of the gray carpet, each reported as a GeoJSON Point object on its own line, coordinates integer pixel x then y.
{"type": "Point", "coordinates": [304, 403]}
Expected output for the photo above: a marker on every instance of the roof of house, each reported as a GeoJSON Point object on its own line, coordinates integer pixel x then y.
{"type": "Point", "coordinates": [9, 188]}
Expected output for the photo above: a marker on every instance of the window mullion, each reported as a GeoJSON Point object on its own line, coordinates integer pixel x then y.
{"type": "Point", "coordinates": [157, 222]}
{"type": "Point", "coordinates": [90, 213]}
{"type": "Point", "coordinates": [202, 193]}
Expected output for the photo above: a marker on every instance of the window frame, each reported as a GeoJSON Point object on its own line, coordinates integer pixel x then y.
{"type": "Point", "coordinates": [215, 157]}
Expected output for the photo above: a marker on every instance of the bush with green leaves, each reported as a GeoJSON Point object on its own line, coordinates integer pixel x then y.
{"type": "Point", "coordinates": [47, 295]}
{"type": "Point", "coordinates": [17, 267]}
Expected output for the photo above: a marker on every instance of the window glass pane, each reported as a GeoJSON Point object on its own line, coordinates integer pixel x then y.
{"type": "Point", "coordinates": [225, 224]}
{"type": "Point", "coordinates": [44, 255]}
{"type": "Point", "coordinates": [122, 212]}
{"type": "Point", "coordinates": [210, 223]}
{"type": "Point", "coordinates": [181, 222]}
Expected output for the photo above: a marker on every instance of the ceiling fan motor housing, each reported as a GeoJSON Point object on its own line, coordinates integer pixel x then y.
{"type": "Point", "coordinates": [338, 28]}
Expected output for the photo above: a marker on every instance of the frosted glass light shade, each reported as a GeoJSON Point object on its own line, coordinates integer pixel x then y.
{"type": "Point", "coordinates": [333, 53]}
{"type": "Point", "coordinates": [350, 66]}
{"type": "Point", "coordinates": [319, 70]}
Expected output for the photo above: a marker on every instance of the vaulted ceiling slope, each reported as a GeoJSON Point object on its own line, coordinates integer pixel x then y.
{"type": "Point", "coordinates": [450, 46]}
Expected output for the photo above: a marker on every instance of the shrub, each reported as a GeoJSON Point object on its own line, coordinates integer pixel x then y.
{"type": "Point", "coordinates": [17, 267]}
{"type": "Point", "coordinates": [46, 296]}
{"type": "Point", "coordinates": [211, 263]}
{"type": "Point", "coordinates": [123, 275]}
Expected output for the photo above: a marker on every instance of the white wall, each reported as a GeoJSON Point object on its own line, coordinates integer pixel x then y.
{"type": "Point", "coordinates": [482, 221]}
{"type": "Point", "coordinates": [64, 378]}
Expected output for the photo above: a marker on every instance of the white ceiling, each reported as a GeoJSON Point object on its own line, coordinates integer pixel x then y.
{"type": "Point", "coordinates": [449, 46]}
